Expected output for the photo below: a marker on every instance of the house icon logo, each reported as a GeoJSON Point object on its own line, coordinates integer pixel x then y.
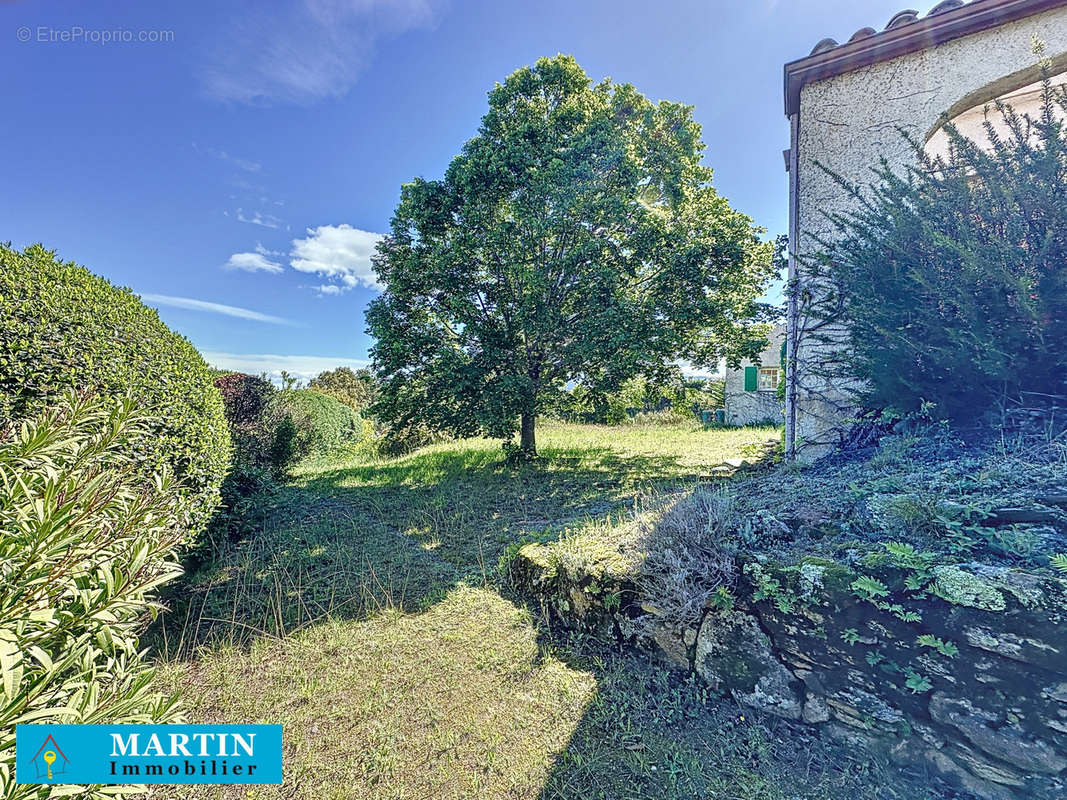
{"type": "Point", "coordinates": [49, 759]}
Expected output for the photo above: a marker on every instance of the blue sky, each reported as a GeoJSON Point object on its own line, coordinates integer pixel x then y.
{"type": "Point", "coordinates": [236, 167]}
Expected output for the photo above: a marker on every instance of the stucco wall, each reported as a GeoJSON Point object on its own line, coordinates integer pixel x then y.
{"type": "Point", "coordinates": [748, 408]}
{"type": "Point", "coordinates": [848, 121]}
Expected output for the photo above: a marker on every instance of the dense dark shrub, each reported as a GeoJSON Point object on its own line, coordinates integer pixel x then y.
{"type": "Point", "coordinates": [244, 398]}
{"type": "Point", "coordinates": [283, 449]}
{"type": "Point", "coordinates": [951, 278]}
{"type": "Point", "coordinates": [250, 481]}
{"type": "Point", "coordinates": [62, 327]}
{"type": "Point", "coordinates": [86, 542]}
{"type": "Point", "coordinates": [322, 424]}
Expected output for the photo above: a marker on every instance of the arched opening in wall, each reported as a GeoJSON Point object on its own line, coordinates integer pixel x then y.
{"type": "Point", "coordinates": [1021, 90]}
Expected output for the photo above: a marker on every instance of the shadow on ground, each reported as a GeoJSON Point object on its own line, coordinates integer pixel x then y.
{"type": "Point", "coordinates": [368, 616]}
{"type": "Point", "coordinates": [342, 543]}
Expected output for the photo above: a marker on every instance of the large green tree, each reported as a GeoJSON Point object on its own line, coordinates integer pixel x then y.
{"type": "Point", "coordinates": [576, 238]}
{"type": "Point", "coordinates": [355, 388]}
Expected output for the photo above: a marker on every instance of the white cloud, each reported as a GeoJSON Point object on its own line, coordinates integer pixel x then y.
{"type": "Point", "coordinates": [258, 261]}
{"type": "Point", "coordinates": [339, 253]}
{"type": "Point", "coordinates": [306, 50]}
{"type": "Point", "coordinates": [259, 218]}
{"type": "Point", "coordinates": [213, 308]}
{"type": "Point", "coordinates": [304, 367]}
{"type": "Point", "coordinates": [241, 163]}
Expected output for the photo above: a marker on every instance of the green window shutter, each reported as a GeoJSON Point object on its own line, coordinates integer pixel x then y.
{"type": "Point", "coordinates": [751, 379]}
{"type": "Point", "coordinates": [783, 353]}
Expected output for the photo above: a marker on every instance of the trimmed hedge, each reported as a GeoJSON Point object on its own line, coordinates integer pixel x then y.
{"type": "Point", "coordinates": [61, 327]}
{"type": "Point", "coordinates": [323, 424]}
{"type": "Point", "coordinates": [86, 542]}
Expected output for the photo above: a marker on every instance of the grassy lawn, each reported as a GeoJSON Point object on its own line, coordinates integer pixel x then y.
{"type": "Point", "coordinates": [370, 617]}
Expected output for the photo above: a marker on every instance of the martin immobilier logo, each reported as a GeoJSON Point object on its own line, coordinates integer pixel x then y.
{"type": "Point", "coordinates": [208, 755]}
{"type": "Point", "coordinates": [49, 760]}
{"type": "Point", "coordinates": [148, 754]}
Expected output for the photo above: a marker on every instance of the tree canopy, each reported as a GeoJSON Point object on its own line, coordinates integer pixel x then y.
{"type": "Point", "coordinates": [355, 388]}
{"type": "Point", "coordinates": [576, 238]}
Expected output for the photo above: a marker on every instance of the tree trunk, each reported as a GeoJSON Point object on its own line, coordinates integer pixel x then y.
{"type": "Point", "coordinates": [527, 444]}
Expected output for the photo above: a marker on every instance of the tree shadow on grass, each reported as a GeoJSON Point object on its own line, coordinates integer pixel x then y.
{"type": "Point", "coordinates": [656, 733]}
{"type": "Point", "coordinates": [480, 693]}
{"type": "Point", "coordinates": [347, 542]}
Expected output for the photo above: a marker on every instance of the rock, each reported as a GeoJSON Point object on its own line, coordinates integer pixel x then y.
{"type": "Point", "coordinates": [815, 710]}
{"type": "Point", "coordinates": [987, 731]}
{"type": "Point", "coordinates": [1026, 588]}
{"type": "Point", "coordinates": [1057, 692]}
{"type": "Point", "coordinates": [964, 589]}
{"type": "Point", "coordinates": [987, 790]}
{"type": "Point", "coordinates": [866, 705]}
{"type": "Point", "coordinates": [1014, 516]}
{"type": "Point", "coordinates": [1011, 645]}
{"type": "Point", "coordinates": [671, 647]}
{"type": "Point", "coordinates": [983, 767]}
{"type": "Point", "coordinates": [733, 655]}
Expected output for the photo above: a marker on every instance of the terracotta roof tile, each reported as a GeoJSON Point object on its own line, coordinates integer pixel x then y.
{"type": "Point", "coordinates": [906, 31]}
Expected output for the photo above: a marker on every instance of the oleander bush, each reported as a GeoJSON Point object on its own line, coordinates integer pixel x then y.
{"type": "Point", "coordinates": [87, 539]}
{"type": "Point", "coordinates": [321, 425]}
{"type": "Point", "coordinates": [61, 327]}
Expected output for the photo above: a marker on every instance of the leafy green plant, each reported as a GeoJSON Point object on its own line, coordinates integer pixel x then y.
{"type": "Point", "coordinates": [1059, 562]}
{"type": "Point", "coordinates": [850, 636]}
{"type": "Point", "coordinates": [770, 588]}
{"type": "Point", "coordinates": [868, 588]}
{"type": "Point", "coordinates": [947, 649]}
{"type": "Point", "coordinates": [473, 334]}
{"type": "Point", "coordinates": [722, 600]}
{"type": "Point", "coordinates": [61, 327]}
{"type": "Point", "coordinates": [87, 540]}
{"type": "Point", "coordinates": [918, 683]}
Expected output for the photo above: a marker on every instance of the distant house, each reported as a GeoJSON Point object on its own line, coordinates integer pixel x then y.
{"type": "Point", "coordinates": [752, 390]}
{"type": "Point", "coordinates": [847, 103]}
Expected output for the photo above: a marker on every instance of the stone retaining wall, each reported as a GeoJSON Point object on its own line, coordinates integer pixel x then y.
{"type": "Point", "coordinates": [963, 667]}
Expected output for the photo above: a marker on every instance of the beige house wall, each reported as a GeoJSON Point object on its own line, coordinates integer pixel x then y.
{"type": "Point", "coordinates": [750, 408]}
{"type": "Point", "coordinates": [847, 122]}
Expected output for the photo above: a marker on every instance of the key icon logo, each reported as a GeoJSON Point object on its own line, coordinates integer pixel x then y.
{"type": "Point", "coordinates": [49, 757]}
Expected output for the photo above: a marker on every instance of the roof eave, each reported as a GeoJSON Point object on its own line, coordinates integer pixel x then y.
{"type": "Point", "coordinates": [927, 32]}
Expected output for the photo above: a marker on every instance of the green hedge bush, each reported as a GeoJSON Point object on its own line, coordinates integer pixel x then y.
{"type": "Point", "coordinates": [322, 425]}
{"type": "Point", "coordinates": [63, 327]}
{"type": "Point", "coordinates": [86, 540]}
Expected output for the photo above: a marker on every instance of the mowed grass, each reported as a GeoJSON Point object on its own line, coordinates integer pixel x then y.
{"type": "Point", "coordinates": [371, 617]}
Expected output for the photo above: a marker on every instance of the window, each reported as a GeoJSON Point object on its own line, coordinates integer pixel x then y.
{"type": "Point", "coordinates": [768, 379]}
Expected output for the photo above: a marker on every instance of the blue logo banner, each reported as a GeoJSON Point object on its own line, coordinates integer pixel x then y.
{"type": "Point", "coordinates": [87, 754]}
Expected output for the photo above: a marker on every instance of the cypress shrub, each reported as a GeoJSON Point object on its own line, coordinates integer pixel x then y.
{"type": "Point", "coordinates": [950, 278]}
{"type": "Point", "coordinates": [61, 327]}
